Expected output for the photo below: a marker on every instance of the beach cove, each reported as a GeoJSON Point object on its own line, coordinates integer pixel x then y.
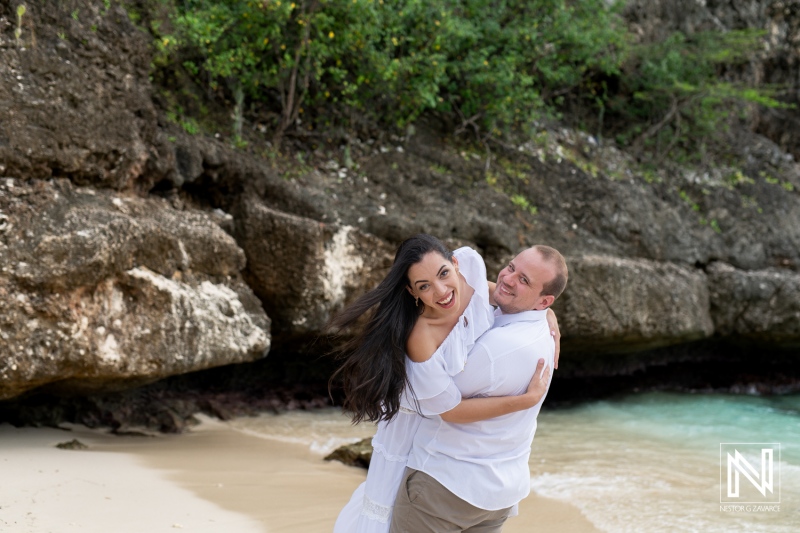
{"type": "Point", "coordinates": [180, 219]}
{"type": "Point", "coordinates": [645, 462]}
{"type": "Point", "coordinates": [219, 476]}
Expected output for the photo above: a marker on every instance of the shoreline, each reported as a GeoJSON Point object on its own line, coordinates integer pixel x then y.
{"type": "Point", "coordinates": [211, 477]}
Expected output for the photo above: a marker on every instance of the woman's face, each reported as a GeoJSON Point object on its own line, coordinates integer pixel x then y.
{"type": "Point", "coordinates": [435, 281]}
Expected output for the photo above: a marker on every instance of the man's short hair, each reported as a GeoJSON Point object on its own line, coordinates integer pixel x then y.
{"type": "Point", "coordinates": [555, 286]}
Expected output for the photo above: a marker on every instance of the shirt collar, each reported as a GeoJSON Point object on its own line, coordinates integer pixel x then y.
{"type": "Point", "coordinates": [501, 320]}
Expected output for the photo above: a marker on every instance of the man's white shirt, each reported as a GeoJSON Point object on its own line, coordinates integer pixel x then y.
{"type": "Point", "coordinates": [486, 463]}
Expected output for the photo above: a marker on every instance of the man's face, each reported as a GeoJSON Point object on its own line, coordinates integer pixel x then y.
{"type": "Point", "coordinates": [520, 284]}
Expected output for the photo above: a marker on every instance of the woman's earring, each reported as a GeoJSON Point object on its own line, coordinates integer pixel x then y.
{"type": "Point", "coordinates": [416, 301]}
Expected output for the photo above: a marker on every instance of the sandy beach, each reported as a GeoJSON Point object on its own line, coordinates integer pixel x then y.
{"type": "Point", "coordinates": [214, 478]}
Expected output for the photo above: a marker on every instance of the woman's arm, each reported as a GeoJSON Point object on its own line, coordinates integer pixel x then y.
{"type": "Point", "coordinates": [552, 321]}
{"type": "Point", "coordinates": [476, 409]}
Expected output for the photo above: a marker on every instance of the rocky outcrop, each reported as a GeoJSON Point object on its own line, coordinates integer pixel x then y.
{"type": "Point", "coordinates": [356, 454]}
{"type": "Point", "coordinates": [101, 291]}
{"type": "Point", "coordinates": [75, 98]}
{"type": "Point", "coordinates": [105, 284]}
{"type": "Point", "coordinates": [639, 247]}
{"type": "Point", "coordinates": [304, 270]}
{"type": "Point", "coordinates": [759, 306]}
{"type": "Point", "coordinates": [615, 304]}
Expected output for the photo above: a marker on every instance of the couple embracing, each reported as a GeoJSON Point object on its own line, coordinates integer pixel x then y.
{"type": "Point", "coordinates": [454, 385]}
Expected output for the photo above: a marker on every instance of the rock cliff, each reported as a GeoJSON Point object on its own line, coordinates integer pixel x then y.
{"type": "Point", "coordinates": [132, 251]}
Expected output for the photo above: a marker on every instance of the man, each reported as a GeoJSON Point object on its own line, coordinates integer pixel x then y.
{"type": "Point", "coordinates": [468, 477]}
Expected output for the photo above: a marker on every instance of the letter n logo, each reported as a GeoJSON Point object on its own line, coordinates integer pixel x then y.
{"type": "Point", "coordinates": [741, 460]}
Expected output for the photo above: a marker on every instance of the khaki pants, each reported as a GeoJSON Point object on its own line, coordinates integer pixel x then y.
{"type": "Point", "coordinates": [425, 505]}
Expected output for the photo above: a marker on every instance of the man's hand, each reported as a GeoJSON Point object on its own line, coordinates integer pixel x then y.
{"type": "Point", "coordinates": [538, 385]}
{"type": "Point", "coordinates": [552, 321]}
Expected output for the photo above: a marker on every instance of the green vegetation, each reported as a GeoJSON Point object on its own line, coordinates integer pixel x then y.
{"type": "Point", "coordinates": [487, 67]}
{"type": "Point", "coordinates": [675, 96]}
{"type": "Point", "coordinates": [688, 199]}
{"type": "Point", "coordinates": [737, 178]}
{"type": "Point", "coordinates": [787, 185]}
{"type": "Point", "coordinates": [524, 204]}
{"type": "Point", "coordinates": [18, 31]}
{"type": "Point", "coordinates": [511, 182]}
{"type": "Point", "coordinates": [189, 124]}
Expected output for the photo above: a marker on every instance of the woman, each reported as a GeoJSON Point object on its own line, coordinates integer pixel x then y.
{"type": "Point", "coordinates": [428, 312]}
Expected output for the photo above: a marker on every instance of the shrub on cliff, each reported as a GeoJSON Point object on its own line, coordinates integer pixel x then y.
{"type": "Point", "coordinates": [674, 97]}
{"type": "Point", "coordinates": [488, 66]}
{"type": "Point", "coordinates": [494, 65]}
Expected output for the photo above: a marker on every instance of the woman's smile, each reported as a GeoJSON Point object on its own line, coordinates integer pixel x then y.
{"type": "Point", "coordinates": [448, 301]}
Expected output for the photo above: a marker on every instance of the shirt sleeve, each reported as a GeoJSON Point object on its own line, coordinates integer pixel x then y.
{"type": "Point", "coordinates": [442, 402]}
{"type": "Point", "coordinates": [473, 267]}
{"type": "Point", "coordinates": [479, 373]}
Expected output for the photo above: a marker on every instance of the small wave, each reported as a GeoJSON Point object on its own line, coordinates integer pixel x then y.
{"type": "Point", "coordinates": [623, 503]}
{"type": "Point", "coordinates": [569, 486]}
{"type": "Point", "coordinates": [326, 447]}
{"type": "Point", "coordinates": [320, 432]}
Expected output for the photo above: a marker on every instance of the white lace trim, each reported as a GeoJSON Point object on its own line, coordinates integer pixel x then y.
{"type": "Point", "coordinates": [377, 447]}
{"type": "Point", "coordinates": [407, 410]}
{"type": "Point", "coordinates": [376, 511]}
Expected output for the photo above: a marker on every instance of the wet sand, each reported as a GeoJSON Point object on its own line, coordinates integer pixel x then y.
{"type": "Point", "coordinates": [212, 479]}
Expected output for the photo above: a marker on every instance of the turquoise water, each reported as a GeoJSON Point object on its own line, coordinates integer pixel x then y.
{"type": "Point", "coordinates": [651, 462]}
{"type": "Point", "coordinates": [642, 463]}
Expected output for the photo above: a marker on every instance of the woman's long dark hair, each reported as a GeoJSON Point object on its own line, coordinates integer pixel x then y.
{"type": "Point", "coordinates": [373, 372]}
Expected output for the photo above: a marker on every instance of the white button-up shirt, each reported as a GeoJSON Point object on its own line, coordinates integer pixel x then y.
{"type": "Point", "coordinates": [486, 463]}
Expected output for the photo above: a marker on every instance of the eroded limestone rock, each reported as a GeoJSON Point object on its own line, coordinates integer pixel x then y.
{"type": "Point", "coordinates": [761, 305]}
{"type": "Point", "coordinates": [616, 304]}
{"type": "Point", "coordinates": [304, 270]}
{"type": "Point", "coordinates": [100, 292]}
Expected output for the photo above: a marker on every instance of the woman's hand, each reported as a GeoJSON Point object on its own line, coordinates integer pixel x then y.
{"type": "Point", "coordinates": [538, 385]}
{"type": "Point", "coordinates": [552, 321]}
{"type": "Point", "coordinates": [492, 286]}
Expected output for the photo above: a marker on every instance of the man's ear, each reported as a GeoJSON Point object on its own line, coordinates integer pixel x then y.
{"type": "Point", "coordinates": [546, 301]}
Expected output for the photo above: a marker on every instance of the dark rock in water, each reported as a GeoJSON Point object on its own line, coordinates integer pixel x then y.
{"type": "Point", "coordinates": [74, 444]}
{"type": "Point", "coordinates": [356, 454]}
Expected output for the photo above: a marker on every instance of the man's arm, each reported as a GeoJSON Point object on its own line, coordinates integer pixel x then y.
{"type": "Point", "coordinates": [477, 409]}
